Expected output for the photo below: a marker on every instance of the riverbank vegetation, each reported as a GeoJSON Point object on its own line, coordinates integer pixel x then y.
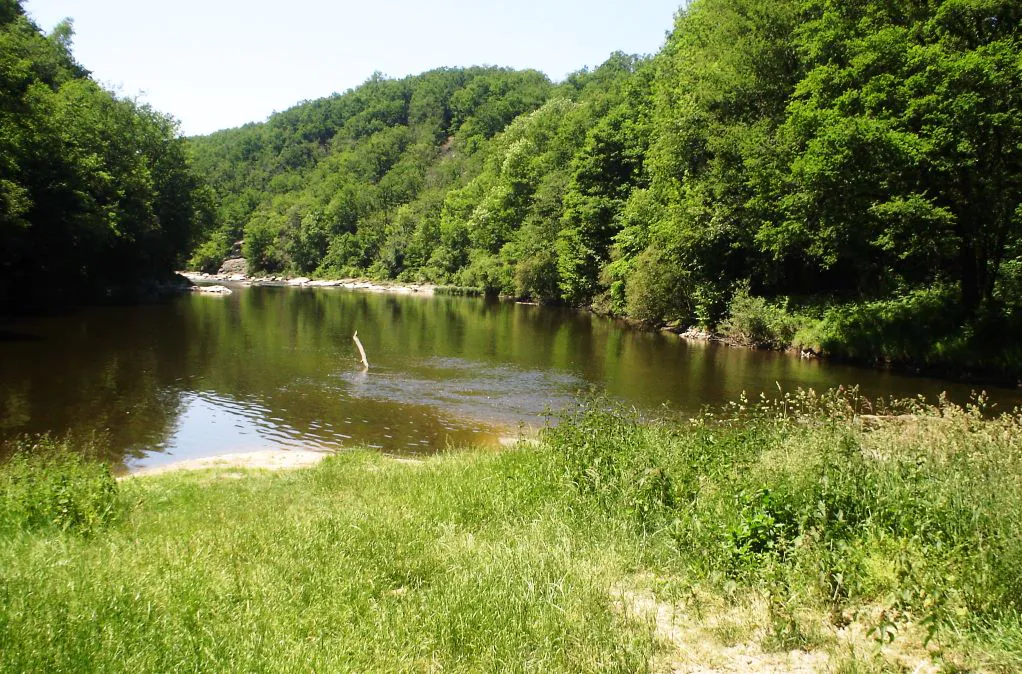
{"type": "Point", "coordinates": [96, 191]}
{"type": "Point", "coordinates": [842, 177]}
{"type": "Point", "coordinates": [836, 176]}
{"type": "Point", "coordinates": [812, 531]}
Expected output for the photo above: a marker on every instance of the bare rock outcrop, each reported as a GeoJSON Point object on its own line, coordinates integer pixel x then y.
{"type": "Point", "coordinates": [234, 265]}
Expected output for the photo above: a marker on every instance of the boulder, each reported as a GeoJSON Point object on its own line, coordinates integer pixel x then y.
{"type": "Point", "coordinates": [212, 290]}
{"type": "Point", "coordinates": [234, 265]}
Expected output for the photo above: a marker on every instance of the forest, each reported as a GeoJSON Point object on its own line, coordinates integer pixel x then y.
{"type": "Point", "coordinates": [839, 177]}
{"type": "Point", "coordinates": [842, 177]}
{"type": "Point", "coordinates": [96, 191]}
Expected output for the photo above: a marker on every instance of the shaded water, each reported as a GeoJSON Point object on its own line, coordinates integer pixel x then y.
{"type": "Point", "coordinates": [276, 368]}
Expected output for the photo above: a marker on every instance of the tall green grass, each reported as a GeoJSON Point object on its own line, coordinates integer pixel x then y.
{"type": "Point", "coordinates": [916, 511]}
{"type": "Point", "coordinates": [459, 291]}
{"type": "Point", "coordinates": [361, 564]}
{"type": "Point", "coordinates": [904, 520]}
{"type": "Point", "coordinates": [47, 484]}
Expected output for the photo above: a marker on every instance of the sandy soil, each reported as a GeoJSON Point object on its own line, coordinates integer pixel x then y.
{"type": "Point", "coordinates": [280, 459]}
{"type": "Point", "coordinates": [268, 459]}
{"type": "Point", "coordinates": [727, 639]}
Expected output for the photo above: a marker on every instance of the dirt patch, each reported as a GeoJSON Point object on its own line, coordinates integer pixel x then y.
{"type": "Point", "coordinates": [720, 637]}
{"type": "Point", "coordinates": [693, 647]}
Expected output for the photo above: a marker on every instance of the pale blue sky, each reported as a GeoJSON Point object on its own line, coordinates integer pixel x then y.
{"type": "Point", "coordinates": [220, 63]}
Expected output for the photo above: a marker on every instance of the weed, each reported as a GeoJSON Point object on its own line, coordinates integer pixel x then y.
{"type": "Point", "coordinates": [907, 522]}
{"type": "Point", "coordinates": [917, 510]}
{"type": "Point", "coordinates": [45, 483]}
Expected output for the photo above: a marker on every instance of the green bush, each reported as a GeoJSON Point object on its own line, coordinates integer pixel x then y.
{"type": "Point", "coordinates": [261, 247]}
{"type": "Point", "coordinates": [535, 277]}
{"type": "Point", "coordinates": [755, 322]}
{"type": "Point", "coordinates": [917, 512]}
{"type": "Point", "coordinates": [489, 273]}
{"type": "Point", "coordinates": [210, 255]}
{"type": "Point", "coordinates": [925, 325]}
{"type": "Point", "coordinates": [657, 289]}
{"type": "Point", "coordinates": [45, 484]}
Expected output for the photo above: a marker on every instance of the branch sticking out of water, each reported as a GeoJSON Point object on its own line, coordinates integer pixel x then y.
{"type": "Point", "coordinates": [358, 343]}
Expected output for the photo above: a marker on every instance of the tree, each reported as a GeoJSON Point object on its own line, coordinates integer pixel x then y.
{"type": "Point", "coordinates": [94, 190]}
{"type": "Point", "coordinates": [903, 159]}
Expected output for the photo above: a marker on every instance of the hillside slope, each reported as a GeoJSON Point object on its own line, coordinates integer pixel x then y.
{"type": "Point", "coordinates": [845, 177]}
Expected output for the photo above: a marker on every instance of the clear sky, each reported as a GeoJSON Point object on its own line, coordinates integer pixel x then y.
{"type": "Point", "coordinates": [220, 63]}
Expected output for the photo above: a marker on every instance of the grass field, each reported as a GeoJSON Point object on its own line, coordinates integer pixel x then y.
{"type": "Point", "coordinates": [798, 534]}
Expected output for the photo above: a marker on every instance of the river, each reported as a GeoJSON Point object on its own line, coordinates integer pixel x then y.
{"type": "Point", "coordinates": [270, 367]}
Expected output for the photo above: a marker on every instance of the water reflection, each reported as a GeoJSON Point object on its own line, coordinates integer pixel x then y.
{"type": "Point", "coordinates": [470, 390]}
{"type": "Point", "coordinates": [276, 367]}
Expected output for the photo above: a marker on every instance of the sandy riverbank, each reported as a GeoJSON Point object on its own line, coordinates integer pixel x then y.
{"type": "Point", "coordinates": [282, 459]}
{"type": "Point", "coordinates": [267, 459]}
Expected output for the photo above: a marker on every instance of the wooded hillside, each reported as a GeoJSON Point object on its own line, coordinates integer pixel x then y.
{"type": "Point", "coordinates": [843, 176]}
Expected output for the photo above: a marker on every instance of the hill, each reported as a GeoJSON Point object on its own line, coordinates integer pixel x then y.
{"type": "Point", "coordinates": [844, 178]}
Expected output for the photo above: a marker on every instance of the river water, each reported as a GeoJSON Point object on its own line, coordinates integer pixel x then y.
{"type": "Point", "coordinates": [271, 367]}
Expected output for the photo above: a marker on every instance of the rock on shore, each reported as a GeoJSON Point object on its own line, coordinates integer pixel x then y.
{"type": "Point", "coordinates": [211, 290]}
{"type": "Point", "coordinates": [302, 282]}
{"type": "Point", "coordinates": [234, 265]}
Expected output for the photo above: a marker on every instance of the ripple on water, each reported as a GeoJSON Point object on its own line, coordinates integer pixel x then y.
{"type": "Point", "coordinates": [212, 424]}
{"type": "Point", "coordinates": [469, 389]}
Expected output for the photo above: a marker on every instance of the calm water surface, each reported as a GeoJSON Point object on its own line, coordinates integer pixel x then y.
{"type": "Point", "coordinates": [276, 368]}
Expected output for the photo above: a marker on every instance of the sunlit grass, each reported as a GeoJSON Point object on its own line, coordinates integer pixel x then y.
{"type": "Point", "coordinates": [793, 533]}
{"type": "Point", "coordinates": [361, 564]}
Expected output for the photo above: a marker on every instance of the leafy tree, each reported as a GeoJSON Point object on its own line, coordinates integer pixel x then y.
{"type": "Point", "coordinates": [904, 145]}
{"type": "Point", "coordinates": [777, 157]}
{"type": "Point", "coordinates": [94, 190]}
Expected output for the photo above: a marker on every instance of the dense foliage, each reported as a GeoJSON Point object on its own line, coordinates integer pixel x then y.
{"type": "Point", "coordinates": [851, 167]}
{"type": "Point", "coordinates": [94, 190]}
{"type": "Point", "coordinates": [826, 498]}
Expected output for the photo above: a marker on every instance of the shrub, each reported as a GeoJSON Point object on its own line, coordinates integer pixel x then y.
{"type": "Point", "coordinates": [755, 322]}
{"type": "Point", "coordinates": [925, 324]}
{"type": "Point", "coordinates": [536, 277]}
{"type": "Point", "coordinates": [917, 512]}
{"type": "Point", "coordinates": [261, 247]}
{"type": "Point", "coordinates": [489, 273]}
{"type": "Point", "coordinates": [46, 484]}
{"type": "Point", "coordinates": [210, 255]}
{"type": "Point", "coordinates": [657, 289]}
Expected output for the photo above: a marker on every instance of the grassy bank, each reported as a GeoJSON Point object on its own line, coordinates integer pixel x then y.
{"type": "Point", "coordinates": [923, 331]}
{"type": "Point", "coordinates": [795, 533]}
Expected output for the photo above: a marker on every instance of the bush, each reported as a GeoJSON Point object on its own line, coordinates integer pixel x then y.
{"type": "Point", "coordinates": [45, 484]}
{"type": "Point", "coordinates": [755, 322]}
{"type": "Point", "coordinates": [925, 324]}
{"type": "Point", "coordinates": [210, 255]}
{"type": "Point", "coordinates": [536, 278]}
{"type": "Point", "coordinates": [489, 273]}
{"type": "Point", "coordinates": [917, 512]}
{"type": "Point", "coordinates": [657, 289]}
{"type": "Point", "coordinates": [261, 247]}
